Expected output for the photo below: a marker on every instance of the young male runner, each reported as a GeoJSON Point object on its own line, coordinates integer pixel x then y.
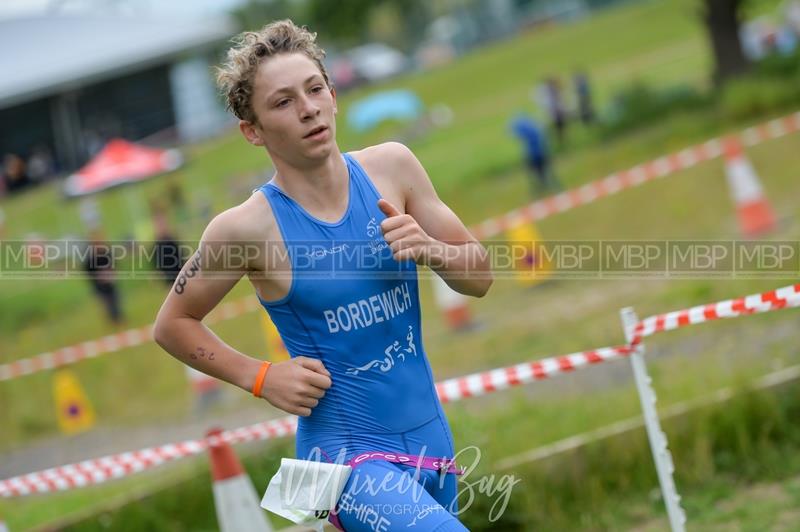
{"type": "Point", "coordinates": [350, 230]}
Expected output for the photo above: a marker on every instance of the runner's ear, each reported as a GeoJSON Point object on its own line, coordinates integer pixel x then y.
{"type": "Point", "coordinates": [248, 129]}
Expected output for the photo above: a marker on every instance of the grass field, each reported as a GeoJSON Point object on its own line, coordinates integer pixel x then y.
{"type": "Point", "coordinates": [475, 165]}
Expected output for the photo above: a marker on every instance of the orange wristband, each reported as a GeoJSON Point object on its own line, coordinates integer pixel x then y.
{"type": "Point", "coordinates": [262, 372]}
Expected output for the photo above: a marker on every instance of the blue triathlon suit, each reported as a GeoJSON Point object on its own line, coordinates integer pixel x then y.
{"type": "Point", "coordinates": [355, 308]}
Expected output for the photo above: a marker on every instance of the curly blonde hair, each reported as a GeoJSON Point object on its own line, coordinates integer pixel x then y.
{"type": "Point", "coordinates": [235, 77]}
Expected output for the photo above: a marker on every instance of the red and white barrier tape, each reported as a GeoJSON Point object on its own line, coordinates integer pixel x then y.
{"type": "Point", "coordinates": [116, 466]}
{"type": "Point", "coordinates": [535, 211]}
{"type": "Point", "coordinates": [110, 344]}
{"type": "Point", "coordinates": [618, 181]}
{"type": "Point", "coordinates": [450, 390]}
{"type": "Point", "coordinates": [500, 379]}
{"type": "Point", "coordinates": [786, 297]}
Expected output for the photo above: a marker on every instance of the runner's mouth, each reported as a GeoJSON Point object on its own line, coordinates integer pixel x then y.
{"type": "Point", "coordinates": [314, 131]}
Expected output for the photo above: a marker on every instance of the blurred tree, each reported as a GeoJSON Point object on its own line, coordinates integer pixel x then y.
{"type": "Point", "coordinates": [343, 22]}
{"type": "Point", "coordinates": [386, 25]}
{"type": "Point", "coordinates": [399, 23]}
{"type": "Point", "coordinates": [256, 13]}
{"type": "Point", "coordinates": [722, 19]}
{"type": "Point", "coordinates": [348, 23]}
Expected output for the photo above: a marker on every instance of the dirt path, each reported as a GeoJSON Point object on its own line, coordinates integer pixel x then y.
{"type": "Point", "coordinates": [106, 440]}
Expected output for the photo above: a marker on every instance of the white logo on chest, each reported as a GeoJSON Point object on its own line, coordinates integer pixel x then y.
{"type": "Point", "coordinates": [392, 351]}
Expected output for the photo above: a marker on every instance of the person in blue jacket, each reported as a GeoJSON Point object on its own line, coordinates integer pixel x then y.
{"type": "Point", "coordinates": [537, 154]}
{"type": "Point", "coordinates": [340, 237]}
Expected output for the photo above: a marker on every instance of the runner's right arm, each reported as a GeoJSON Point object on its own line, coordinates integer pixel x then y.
{"type": "Point", "coordinates": [294, 386]}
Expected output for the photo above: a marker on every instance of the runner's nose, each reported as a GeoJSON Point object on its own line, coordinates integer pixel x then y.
{"type": "Point", "coordinates": [308, 109]}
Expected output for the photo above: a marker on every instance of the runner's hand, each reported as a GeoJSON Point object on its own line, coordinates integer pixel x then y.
{"type": "Point", "coordinates": [296, 385]}
{"type": "Point", "coordinates": [405, 237]}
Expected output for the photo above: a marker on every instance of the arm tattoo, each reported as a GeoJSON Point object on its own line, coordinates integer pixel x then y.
{"type": "Point", "coordinates": [203, 353]}
{"type": "Point", "coordinates": [183, 278]}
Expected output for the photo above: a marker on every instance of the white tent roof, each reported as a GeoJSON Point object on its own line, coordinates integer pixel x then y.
{"type": "Point", "coordinates": [43, 55]}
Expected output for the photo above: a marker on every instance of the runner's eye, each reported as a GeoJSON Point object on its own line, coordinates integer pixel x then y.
{"type": "Point", "coordinates": [282, 103]}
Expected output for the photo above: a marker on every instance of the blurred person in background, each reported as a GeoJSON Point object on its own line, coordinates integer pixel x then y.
{"type": "Point", "coordinates": [205, 205]}
{"type": "Point", "coordinates": [178, 204]}
{"type": "Point", "coordinates": [583, 95]}
{"type": "Point", "coordinates": [99, 267]}
{"type": "Point", "coordinates": [359, 377]}
{"type": "Point", "coordinates": [93, 142]}
{"type": "Point", "coordinates": [15, 176]}
{"type": "Point", "coordinates": [41, 166]}
{"type": "Point", "coordinates": [549, 99]}
{"type": "Point", "coordinates": [167, 253]}
{"type": "Point", "coordinates": [537, 155]}
{"type": "Point", "coordinates": [89, 212]}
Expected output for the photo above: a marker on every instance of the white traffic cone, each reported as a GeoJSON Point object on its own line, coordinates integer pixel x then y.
{"type": "Point", "coordinates": [453, 305]}
{"type": "Point", "coordinates": [752, 207]}
{"type": "Point", "coordinates": [234, 496]}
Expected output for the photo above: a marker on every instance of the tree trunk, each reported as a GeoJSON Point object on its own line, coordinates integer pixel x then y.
{"type": "Point", "coordinates": [722, 21]}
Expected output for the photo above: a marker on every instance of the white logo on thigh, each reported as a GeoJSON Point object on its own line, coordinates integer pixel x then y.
{"type": "Point", "coordinates": [363, 513]}
{"type": "Point", "coordinates": [426, 511]}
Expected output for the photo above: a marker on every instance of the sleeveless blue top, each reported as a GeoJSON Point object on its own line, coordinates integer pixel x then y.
{"type": "Point", "coordinates": [355, 308]}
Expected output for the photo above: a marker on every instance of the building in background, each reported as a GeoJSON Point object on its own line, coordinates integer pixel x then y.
{"type": "Point", "coordinates": [72, 81]}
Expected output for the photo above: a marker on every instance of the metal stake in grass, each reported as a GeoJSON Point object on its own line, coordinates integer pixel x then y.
{"type": "Point", "coordinates": [656, 436]}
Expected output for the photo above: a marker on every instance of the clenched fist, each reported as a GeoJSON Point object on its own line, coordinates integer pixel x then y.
{"type": "Point", "coordinates": [405, 237]}
{"type": "Point", "coordinates": [297, 385]}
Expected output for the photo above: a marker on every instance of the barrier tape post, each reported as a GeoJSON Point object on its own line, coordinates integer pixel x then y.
{"type": "Point", "coordinates": [656, 436]}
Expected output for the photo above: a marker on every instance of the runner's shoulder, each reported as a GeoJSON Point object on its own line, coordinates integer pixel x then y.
{"type": "Point", "coordinates": [386, 157]}
{"type": "Point", "coordinates": [240, 231]}
{"type": "Point", "coordinates": [252, 220]}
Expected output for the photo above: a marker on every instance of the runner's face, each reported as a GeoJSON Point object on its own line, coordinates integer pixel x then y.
{"type": "Point", "coordinates": [295, 109]}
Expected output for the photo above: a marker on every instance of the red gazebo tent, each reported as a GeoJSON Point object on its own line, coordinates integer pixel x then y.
{"type": "Point", "coordinates": [121, 162]}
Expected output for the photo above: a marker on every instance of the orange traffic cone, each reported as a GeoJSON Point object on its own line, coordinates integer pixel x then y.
{"type": "Point", "coordinates": [234, 496]}
{"type": "Point", "coordinates": [454, 306]}
{"type": "Point", "coordinates": [752, 207]}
